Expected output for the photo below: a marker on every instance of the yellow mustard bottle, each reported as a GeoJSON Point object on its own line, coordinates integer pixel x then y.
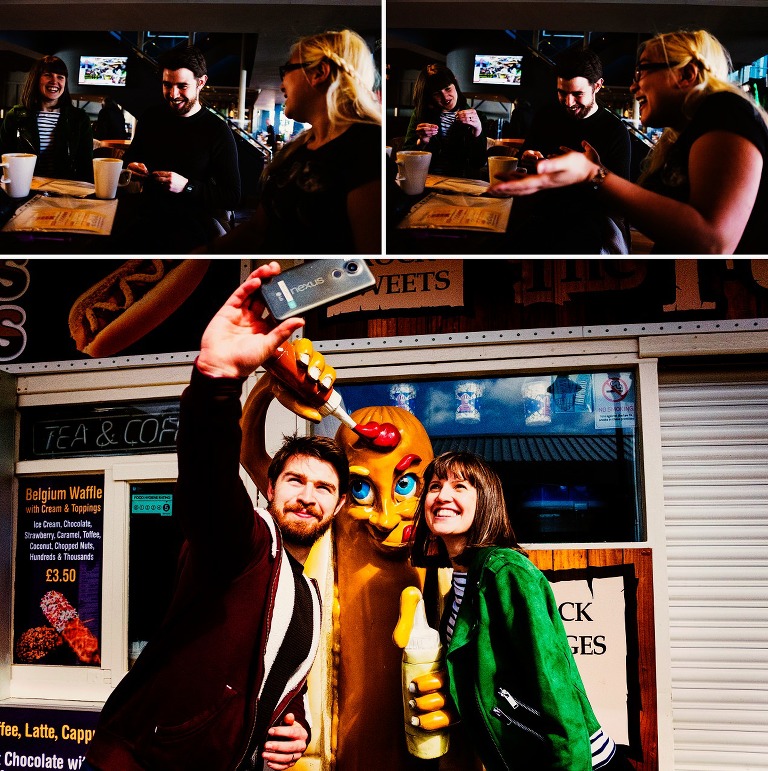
{"type": "Point", "coordinates": [422, 656]}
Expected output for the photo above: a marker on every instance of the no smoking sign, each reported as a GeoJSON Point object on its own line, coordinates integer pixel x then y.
{"type": "Point", "coordinates": [615, 389]}
{"type": "Point", "coordinates": [614, 399]}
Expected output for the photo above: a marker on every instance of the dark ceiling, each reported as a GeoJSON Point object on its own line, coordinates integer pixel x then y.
{"type": "Point", "coordinates": [425, 26]}
{"type": "Point", "coordinates": [741, 25]}
{"type": "Point", "coordinates": [277, 25]}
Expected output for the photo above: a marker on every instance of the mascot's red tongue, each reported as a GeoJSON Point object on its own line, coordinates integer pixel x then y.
{"type": "Point", "coordinates": [379, 434]}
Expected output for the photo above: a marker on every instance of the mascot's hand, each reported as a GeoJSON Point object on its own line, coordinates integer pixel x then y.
{"type": "Point", "coordinates": [314, 369]}
{"type": "Point", "coordinates": [428, 701]}
{"type": "Point", "coordinates": [426, 698]}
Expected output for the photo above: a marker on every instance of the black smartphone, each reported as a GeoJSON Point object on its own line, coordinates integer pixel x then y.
{"type": "Point", "coordinates": [528, 165]}
{"type": "Point", "coordinates": [314, 283]}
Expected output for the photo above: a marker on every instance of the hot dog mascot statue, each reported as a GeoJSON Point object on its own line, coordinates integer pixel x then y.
{"type": "Point", "coordinates": [355, 689]}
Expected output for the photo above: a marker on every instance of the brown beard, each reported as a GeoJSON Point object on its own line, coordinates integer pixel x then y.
{"type": "Point", "coordinates": [583, 110]}
{"type": "Point", "coordinates": [299, 533]}
{"type": "Point", "coordinates": [184, 107]}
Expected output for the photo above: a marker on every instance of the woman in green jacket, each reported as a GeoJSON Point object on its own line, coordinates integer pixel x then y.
{"type": "Point", "coordinates": [513, 679]}
{"type": "Point", "coordinates": [47, 124]}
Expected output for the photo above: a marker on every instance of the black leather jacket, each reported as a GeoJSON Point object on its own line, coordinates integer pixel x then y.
{"type": "Point", "coordinates": [72, 140]}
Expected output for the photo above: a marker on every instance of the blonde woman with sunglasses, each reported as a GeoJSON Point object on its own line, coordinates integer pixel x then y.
{"type": "Point", "coordinates": [322, 192]}
{"type": "Point", "coordinates": [705, 188]}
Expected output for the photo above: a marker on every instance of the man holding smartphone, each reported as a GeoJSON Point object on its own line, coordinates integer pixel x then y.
{"type": "Point", "coordinates": [576, 118]}
{"type": "Point", "coordinates": [186, 158]}
{"type": "Point", "coordinates": [222, 687]}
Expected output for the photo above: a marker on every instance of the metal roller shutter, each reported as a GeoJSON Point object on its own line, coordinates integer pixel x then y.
{"type": "Point", "coordinates": [715, 460]}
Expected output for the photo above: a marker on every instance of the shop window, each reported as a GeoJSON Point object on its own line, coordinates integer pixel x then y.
{"type": "Point", "coordinates": [565, 445]}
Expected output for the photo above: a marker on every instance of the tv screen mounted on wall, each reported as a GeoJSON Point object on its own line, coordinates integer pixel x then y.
{"type": "Point", "coordinates": [103, 70]}
{"type": "Point", "coordinates": [498, 70]}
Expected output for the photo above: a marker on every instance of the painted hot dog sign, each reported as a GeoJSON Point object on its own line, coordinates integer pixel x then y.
{"type": "Point", "coordinates": [68, 309]}
{"type": "Point", "coordinates": [130, 302]}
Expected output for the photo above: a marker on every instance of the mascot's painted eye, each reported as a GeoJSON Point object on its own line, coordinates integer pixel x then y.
{"type": "Point", "coordinates": [362, 491]}
{"type": "Point", "coordinates": [406, 486]}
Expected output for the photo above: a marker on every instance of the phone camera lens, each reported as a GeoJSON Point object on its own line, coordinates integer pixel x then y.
{"type": "Point", "coordinates": [336, 274]}
{"type": "Point", "coordinates": [352, 267]}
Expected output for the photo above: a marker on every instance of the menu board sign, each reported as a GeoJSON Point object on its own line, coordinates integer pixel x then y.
{"type": "Point", "coordinates": [44, 738]}
{"type": "Point", "coordinates": [57, 618]}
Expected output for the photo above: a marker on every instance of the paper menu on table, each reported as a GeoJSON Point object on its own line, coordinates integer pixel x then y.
{"type": "Point", "coordinates": [459, 212]}
{"type": "Point", "coordinates": [64, 215]}
{"type": "Point", "coordinates": [71, 187]}
{"type": "Point", "coordinates": [456, 184]}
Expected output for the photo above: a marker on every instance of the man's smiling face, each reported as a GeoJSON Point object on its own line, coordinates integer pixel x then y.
{"type": "Point", "coordinates": [577, 96]}
{"type": "Point", "coordinates": [304, 499]}
{"type": "Point", "coordinates": [181, 90]}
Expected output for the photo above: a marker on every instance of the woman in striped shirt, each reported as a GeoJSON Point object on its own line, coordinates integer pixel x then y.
{"type": "Point", "coordinates": [47, 124]}
{"type": "Point", "coordinates": [512, 676]}
{"type": "Point", "coordinates": [444, 125]}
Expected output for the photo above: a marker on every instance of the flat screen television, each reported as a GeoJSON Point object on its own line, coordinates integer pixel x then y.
{"type": "Point", "coordinates": [498, 70]}
{"type": "Point", "coordinates": [103, 70]}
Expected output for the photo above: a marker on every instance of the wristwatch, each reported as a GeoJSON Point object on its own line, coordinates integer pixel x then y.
{"type": "Point", "coordinates": [599, 177]}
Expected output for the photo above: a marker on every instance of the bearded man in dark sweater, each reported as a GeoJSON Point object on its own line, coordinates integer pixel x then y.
{"type": "Point", "coordinates": [574, 120]}
{"type": "Point", "coordinates": [186, 158]}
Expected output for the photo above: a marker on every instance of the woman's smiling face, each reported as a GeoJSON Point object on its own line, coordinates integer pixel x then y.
{"type": "Point", "coordinates": [656, 88]}
{"type": "Point", "coordinates": [447, 98]}
{"type": "Point", "coordinates": [449, 507]}
{"type": "Point", "coordinates": [52, 86]}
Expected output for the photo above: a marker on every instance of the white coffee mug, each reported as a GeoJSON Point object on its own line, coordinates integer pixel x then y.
{"type": "Point", "coordinates": [412, 170]}
{"type": "Point", "coordinates": [21, 169]}
{"type": "Point", "coordinates": [500, 164]}
{"type": "Point", "coordinates": [108, 175]}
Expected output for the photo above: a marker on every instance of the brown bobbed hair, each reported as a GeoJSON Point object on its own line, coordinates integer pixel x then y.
{"type": "Point", "coordinates": [31, 97]}
{"type": "Point", "coordinates": [491, 526]}
{"type": "Point", "coordinates": [433, 78]}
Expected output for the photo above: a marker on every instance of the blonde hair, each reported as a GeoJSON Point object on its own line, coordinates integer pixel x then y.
{"type": "Point", "coordinates": [679, 49]}
{"type": "Point", "coordinates": [350, 97]}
